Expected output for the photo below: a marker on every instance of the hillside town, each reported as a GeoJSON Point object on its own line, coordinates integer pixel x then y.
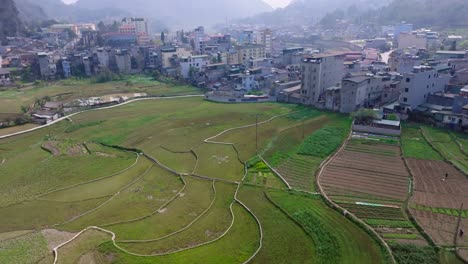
{"type": "Point", "coordinates": [416, 73]}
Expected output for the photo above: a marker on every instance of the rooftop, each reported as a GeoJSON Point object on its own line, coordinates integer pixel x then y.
{"type": "Point", "coordinates": [358, 79]}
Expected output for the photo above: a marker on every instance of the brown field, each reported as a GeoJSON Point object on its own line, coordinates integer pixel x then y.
{"type": "Point", "coordinates": [380, 176]}
{"type": "Point", "coordinates": [441, 227]}
{"type": "Point", "coordinates": [431, 190]}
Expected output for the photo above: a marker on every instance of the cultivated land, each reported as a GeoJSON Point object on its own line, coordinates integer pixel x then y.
{"type": "Point", "coordinates": [157, 182]}
{"type": "Point", "coordinates": [369, 179]}
{"type": "Point", "coordinates": [436, 203]}
{"type": "Point", "coordinates": [68, 90]}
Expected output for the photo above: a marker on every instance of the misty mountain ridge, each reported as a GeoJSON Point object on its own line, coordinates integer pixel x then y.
{"type": "Point", "coordinates": [183, 13]}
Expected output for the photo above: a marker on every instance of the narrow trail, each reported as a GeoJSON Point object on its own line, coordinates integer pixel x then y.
{"type": "Point", "coordinates": [323, 166]}
{"type": "Point", "coordinates": [96, 109]}
{"type": "Point", "coordinates": [236, 200]}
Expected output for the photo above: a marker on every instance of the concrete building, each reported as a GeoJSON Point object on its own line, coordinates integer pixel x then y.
{"type": "Point", "coordinates": [377, 43]}
{"type": "Point", "coordinates": [245, 37]}
{"type": "Point", "coordinates": [140, 25]}
{"type": "Point", "coordinates": [198, 38]}
{"type": "Point", "coordinates": [363, 91]}
{"type": "Point", "coordinates": [447, 55]}
{"type": "Point", "coordinates": [418, 84]}
{"type": "Point", "coordinates": [409, 40]}
{"type": "Point", "coordinates": [402, 28]}
{"type": "Point", "coordinates": [319, 73]}
{"type": "Point", "coordinates": [47, 66]}
{"type": "Point", "coordinates": [123, 61]}
{"type": "Point", "coordinates": [402, 62]}
{"type": "Point", "coordinates": [251, 51]}
{"type": "Point", "coordinates": [103, 57]}
{"type": "Point", "coordinates": [265, 37]}
{"type": "Point", "coordinates": [193, 62]}
{"type": "Point", "coordinates": [292, 56]}
{"type": "Point", "coordinates": [233, 57]}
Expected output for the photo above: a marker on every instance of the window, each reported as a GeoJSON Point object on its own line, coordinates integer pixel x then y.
{"type": "Point", "coordinates": [408, 80]}
{"type": "Point", "coordinates": [406, 90]}
{"type": "Point", "coordinates": [429, 76]}
{"type": "Point", "coordinates": [405, 99]}
{"type": "Point", "coordinates": [427, 86]}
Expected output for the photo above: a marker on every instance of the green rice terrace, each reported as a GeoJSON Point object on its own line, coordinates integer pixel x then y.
{"type": "Point", "coordinates": [184, 180]}
{"type": "Point", "coordinates": [177, 180]}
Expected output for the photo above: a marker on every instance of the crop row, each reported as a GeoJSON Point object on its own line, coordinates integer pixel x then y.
{"type": "Point", "coordinates": [446, 211]}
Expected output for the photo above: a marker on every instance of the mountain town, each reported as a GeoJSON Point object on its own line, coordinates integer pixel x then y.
{"type": "Point", "coordinates": [302, 131]}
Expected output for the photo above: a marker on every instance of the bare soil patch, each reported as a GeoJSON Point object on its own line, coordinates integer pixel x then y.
{"type": "Point", "coordinates": [55, 237]}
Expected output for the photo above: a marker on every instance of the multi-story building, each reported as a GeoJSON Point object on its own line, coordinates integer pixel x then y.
{"type": "Point", "coordinates": [418, 84]}
{"type": "Point", "coordinates": [232, 57]}
{"type": "Point", "coordinates": [410, 40]}
{"type": "Point", "coordinates": [319, 73]}
{"type": "Point", "coordinates": [264, 37]}
{"type": "Point", "coordinates": [402, 62]}
{"type": "Point", "coordinates": [362, 91]}
{"type": "Point", "coordinates": [47, 66]}
{"type": "Point", "coordinates": [187, 64]}
{"type": "Point", "coordinates": [251, 51]}
{"type": "Point", "coordinates": [198, 38]}
{"type": "Point", "coordinates": [140, 24]}
{"type": "Point", "coordinates": [245, 37]}
{"type": "Point", "coordinates": [123, 61]}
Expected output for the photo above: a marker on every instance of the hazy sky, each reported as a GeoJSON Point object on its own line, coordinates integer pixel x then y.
{"type": "Point", "coordinates": [273, 3]}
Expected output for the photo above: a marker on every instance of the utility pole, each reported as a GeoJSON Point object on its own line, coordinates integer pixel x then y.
{"type": "Point", "coordinates": [256, 133]}
{"type": "Point", "coordinates": [303, 130]}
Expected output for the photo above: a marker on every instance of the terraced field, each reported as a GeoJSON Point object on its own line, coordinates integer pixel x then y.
{"type": "Point", "coordinates": [168, 181]}
{"type": "Point", "coordinates": [370, 180]}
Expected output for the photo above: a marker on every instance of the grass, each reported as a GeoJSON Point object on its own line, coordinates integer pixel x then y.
{"type": "Point", "coordinates": [445, 144]}
{"type": "Point", "coordinates": [219, 161]}
{"type": "Point", "coordinates": [209, 227]}
{"type": "Point", "coordinates": [102, 188]}
{"type": "Point", "coordinates": [279, 231]}
{"type": "Point", "coordinates": [42, 214]}
{"type": "Point", "coordinates": [236, 247]}
{"type": "Point", "coordinates": [389, 223]}
{"type": "Point", "coordinates": [81, 249]}
{"type": "Point", "coordinates": [168, 130]}
{"type": "Point", "coordinates": [446, 211]}
{"type": "Point", "coordinates": [260, 174]}
{"type": "Point", "coordinates": [30, 248]}
{"type": "Point", "coordinates": [410, 254]}
{"type": "Point", "coordinates": [414, 145]}
{"type": "Point", "coordinates": [400, 236]}
{"type": "Point", "coordinates": [74, 127]}
{"type": "Point", "coordinates": [142, 198]}
{"type": "Point", "coordinates": [334, 230]}
{"type": "Point", "coordinates": [184, 209]}
{"type": "Point", "coordinates": [325, 141]}
{"type": "Point", "coordinates": [68, 90]}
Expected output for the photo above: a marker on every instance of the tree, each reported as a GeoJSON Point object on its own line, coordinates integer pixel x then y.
{"type": "Point", "coordinates": [365, 116]}
{"type": "Point", "coordinates": [157, 75]}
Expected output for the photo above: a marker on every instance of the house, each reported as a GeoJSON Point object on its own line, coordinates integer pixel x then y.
{"type": "Point", "coordinates": [250, 51]}
{"type": "Point", "coordinates": [4, 77]}
{"type": "Point", "coordinates": [290, 95]}
{"type": "Point", "coordinates": [409, 40]}
{"type": "Point", "coordinates": [448, 54]}
{"type": "Point", "coordinates": [53, 106]}
{"type": "Point", "coordinates": [418, 84]}
{"type": "Point", "coordinates": [191, 63]}
{"type": "Point", "coordinates": [318, 73]}
{"type": "Point", "coordinates": [45, 116]}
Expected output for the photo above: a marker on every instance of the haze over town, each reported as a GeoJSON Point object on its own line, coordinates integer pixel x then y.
{"type": "Point", "coordinates": [233, 131]}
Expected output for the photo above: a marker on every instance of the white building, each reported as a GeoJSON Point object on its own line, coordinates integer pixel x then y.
{"type": "Point", "coordinates": [193, 62]}
{"type": "Point", "coordinates": [320, 72]}
{"type": "Point", "coordinates": [264, 37]}
{"type": "Point", "coordinates": [140, 24]}
{"type": "Point", "coordinates": [418, 84]}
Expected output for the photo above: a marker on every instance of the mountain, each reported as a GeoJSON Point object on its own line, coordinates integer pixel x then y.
{"type": "Point", "coordinates": [424, 13]}
{"type": "Point", "coordinates": [32, 10]}
{"type": "Point", "coordinates": [10, 23]}
{"type": "Point", "coordinates": [29, 11]}
{"type": "Point", "coordinates": [183, 13]}
{"type": "Point", "coordinates": [307, 12]}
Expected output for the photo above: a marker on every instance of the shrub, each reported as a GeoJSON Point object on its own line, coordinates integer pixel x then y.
{"type": "Point", "coordinates": [323, 142]}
